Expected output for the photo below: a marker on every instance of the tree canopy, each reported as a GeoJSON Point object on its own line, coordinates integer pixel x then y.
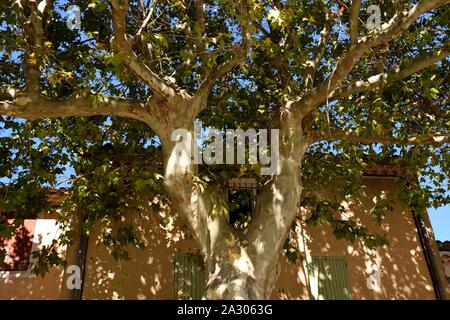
{"type": "Point", "coordinates": [103, 99]}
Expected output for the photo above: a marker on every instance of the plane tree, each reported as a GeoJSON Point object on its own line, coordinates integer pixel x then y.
{"type": "Point", "coordinates": [345, 88]}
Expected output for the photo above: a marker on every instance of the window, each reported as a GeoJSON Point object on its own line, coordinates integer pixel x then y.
{"type": "Point", "coordinates": [31, 236]}
{"type": "Point", "coordinates": [328, 278]}
{"type": "Point", "coordinates": [189, 276]}
{"type": "Point", "coordinates": [242, 200]}
{"type": "Point", "coordinates": [18, 248]}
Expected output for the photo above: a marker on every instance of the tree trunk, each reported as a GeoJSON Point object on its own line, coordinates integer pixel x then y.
{"type": "Point", "coordinates": [231, 273]}
{"type": "Point", "coordinates": [238, 265]}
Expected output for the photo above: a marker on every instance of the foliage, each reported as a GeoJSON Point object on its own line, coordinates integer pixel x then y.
{"type": "Point", "coordinates": [106, 161]}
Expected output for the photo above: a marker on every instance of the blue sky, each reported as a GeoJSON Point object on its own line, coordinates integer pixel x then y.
{"type": "Point", "coordinates": [440, 220]}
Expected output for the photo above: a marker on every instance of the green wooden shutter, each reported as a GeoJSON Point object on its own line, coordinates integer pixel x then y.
{"type": "Point", "coordinates": [331, 277]}
{"type": "Point", "coordinates": [189, 273]}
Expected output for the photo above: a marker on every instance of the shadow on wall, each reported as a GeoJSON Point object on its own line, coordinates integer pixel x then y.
{"type": "Point", "coordinates": [445, 260]}
{"type": "Point", "coordinates": [29, 287]}
{"type": "Point", "coordinates": [16, 279]}
{"type": "Point", "coordinates": [148, 274]}
{"type": "Point", "coordinates": [395, 271]}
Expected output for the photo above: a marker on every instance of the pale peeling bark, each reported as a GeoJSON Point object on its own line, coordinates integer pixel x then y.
{"type": "Point", "coordinates": [121, 43]}
{"type": "Point", "coordinates": [354, 21]}
{"type": "Point", "coordinates": [391, 30]}
{"type": "Point", "coordinates": [34, 107]}
{"type": "Point", "coordinates": [277, 204]}
{"type": "Point", "coordinates": [186, 198]}
{"type": "Point", "coordinates": [247, 268]}
{"type": "Point", "coordinates": [380, 80]}
{"type": "Point", "coordinates": [224, 256]}
{"type": "Point", "coordinates": [231, 272]}
{"type": "Point", "coordinates": [71, 257]}
{"type": "Point", "coordinates": [238, 265]}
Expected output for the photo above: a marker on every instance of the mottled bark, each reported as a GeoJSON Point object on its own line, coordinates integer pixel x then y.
{"type": "Point", "coordinates": [239, 265]}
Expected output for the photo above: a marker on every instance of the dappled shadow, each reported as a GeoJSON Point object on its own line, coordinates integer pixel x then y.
{"type": "Point", "coordinates": [401, 263]}
{"type": "Point", "coordinates": [149, 272]}
{"type": "Point", "coordinates": [445, 260]}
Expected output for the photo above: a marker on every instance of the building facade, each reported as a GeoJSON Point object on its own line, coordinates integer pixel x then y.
{"type": "Point", "coordinates": [169, 267]}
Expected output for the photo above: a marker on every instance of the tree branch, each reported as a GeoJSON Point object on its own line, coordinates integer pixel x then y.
{"type": "Point", "coordinates": [436, 139]}
{"type": "Point", "coordinates": [321, 48]}
{"type": "Point", "coordinates": [41, 107]}
{"type": "Point", "coordinates": [121, 44]}
{"type": "Point", "coordinates": [199, 30]}
{"type": "Point", "coordinates": [278, 61]}
{"type": "Point", "coordinates": [426, 106]}
{"type": "Point", "coordinates": [382, 79]}
{"type": "Point", "coordinates": [324, 34]}
{"type": "Point", "coordinates": [389, 31]}
{"type": "Point", "coordinates": [402, 21]}
{"type": "Point", "coordinates": [239, 53]}
{"type": "Point", "coordinates": [353, 21]}
{"type": "Point", "coordinates": [147, 19]}
{"type": "Point", "coordinates": [33, 26]}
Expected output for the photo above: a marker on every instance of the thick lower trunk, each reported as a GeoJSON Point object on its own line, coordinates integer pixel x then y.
{"type": "Point", "coordinates": [186, 197]}
{"type": "Point", "coordinates": [249, 271]}
{"type": "Point", "coordinates": [231, 279]}
{"type": "Point", "coordinates": [231, 273]}
{"type": "Point", "coordinates": [239, 265]}
{"type": "Point", "coordinates": [276, 210]}
{"type": "Point", "coordinates": [247, 268]}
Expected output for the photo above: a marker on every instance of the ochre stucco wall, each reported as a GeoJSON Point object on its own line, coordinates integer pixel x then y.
{"type": "Point", "coordinates": [445, 257]}
{"type": "Point", "coordinates": [404, 273]}
{"type": "Point", "coordinates": [27, 287]}
{"type": "Point", "coordinates": [149, 272]}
